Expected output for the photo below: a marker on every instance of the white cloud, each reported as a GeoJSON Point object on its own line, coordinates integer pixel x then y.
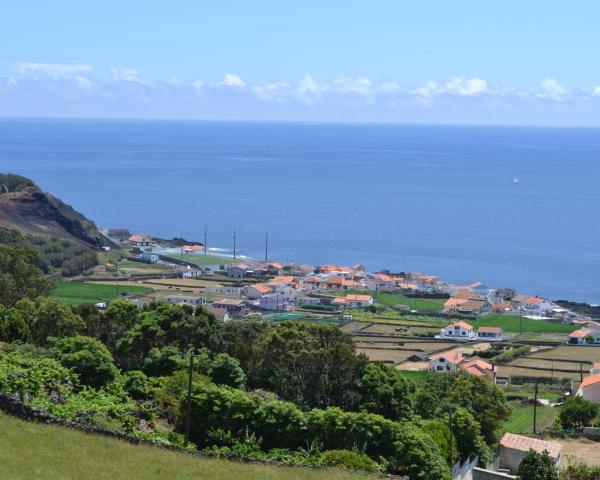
{"type": "Point", "coordinates": [465, 86]}
{"type": "Point", "coordinates": [427, 89]}
{"type": "Point", "coordinates": [352, 85]}
{"type": "Point", "coordinates": [308, 85]}
{"type": "Point", "coordinates": [124, 74]}
{"type": "Point", "coordinates": [54, 70]}
{"type": "Point", "coordinates": [388, 87]}
{"type": "Point", "coordinates": [550, 88]}
{"type": "Point", "coordinates": [597, 91]}
{"type": "Point", "coordinates": [198, 84]}
{"type": "Point", "coordinates": [232, 80]}
{"type": "Point", "coordinates": [83, 83]}
{"type": "Point", "coordinates": [276, 91]}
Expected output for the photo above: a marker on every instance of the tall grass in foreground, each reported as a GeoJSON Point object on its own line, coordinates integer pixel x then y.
{"type": "Point", "coordinates": [46, 452]}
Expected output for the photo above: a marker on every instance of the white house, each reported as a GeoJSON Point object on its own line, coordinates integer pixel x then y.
{"type": "Point", "coordinates": [385, 283]}
{"type": "Point", "coordinates": [359, 301]}
{"type": "Point", "coordinates": [514, 447]}
{"type": "Point", "coordinates": [590, 388]}
{"type": "Point", "coordinates": [537, 305]}
{"type": "Point", "coordinates": [257, 290]}
{"type": "Point", "coordinates": [221, 313]}
{"type": "Point", "coordinates": [458, 331]}
{"type": "Point", "coordinates": [139, 241]}
{"type": "Point", "coordinates": [490, 334]}
{"type": "Point", "coordinates": [447, 362]}
{"type": "Point", "coordinates": [587, 335]}
{"type": "Point", "coordinates": [224, 290]}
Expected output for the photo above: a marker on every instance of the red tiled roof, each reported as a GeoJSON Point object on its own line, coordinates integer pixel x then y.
{"type": "Point", "coordinates": [262, 288]}
{"type": "Point", "coordinates": [335, 280]}
{"type": "Point", "coordinates": [582, 333]}
{"type": "Point", "coordinates": [454, 302]}
{"type": "Point", "coordinates": [590, 380]}
{"type": "Point", "coordinates": [535, 300]}
{"type": "Point", "coordinates": [453, 357]}
{"type": "Point", "coordinates": [490, 329]}
{"type": "Point", "coordinates": [358, 298]}
{"type": "Point", "coordinates": [524, 444]}
{"type": "Point", "coordinates": [461, 324]}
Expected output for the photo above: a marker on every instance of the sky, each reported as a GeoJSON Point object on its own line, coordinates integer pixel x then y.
{"type": "Point", "coordinates": [431, 61]}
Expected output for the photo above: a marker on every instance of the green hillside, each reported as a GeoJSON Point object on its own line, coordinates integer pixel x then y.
{"type": "Point", "coordinates": [45, 452]}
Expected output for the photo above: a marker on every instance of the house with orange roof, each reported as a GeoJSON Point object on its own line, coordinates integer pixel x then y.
{"type": "Point", "coordinates": [139, 241]}
{"type": "Point", "coordinates": [337, 269]}
{"type": "Point", "coordinates": [312, 283]}
{"type": "Point", "coordinates": [384, 283]}
{"type": "Point", "coordinates": [490, 334]}
{"type": "Point", "coordinates": [446, 362]}
{"type": "Point", "coordinates": [474, 307]}
{"type": "Point", "coordinates": [537, 305]}
{"type": "Point", "coordinates": [351, 284]}
{"type": "Point", "coordinates": [335, 281]}
{"type": "Point", "coordinates": [590, 388]}
{"type": "Point", "coordinates": [461, 331]}
{"type": "Point", "coordinates": [585, 336]}
{"type": "Point", "coordinates": [514, 447]}
{"type": "Point", "coordinates": [192, 248]}
{"type": "Point", "coordinates": [257, 290]}
{"type": "Point", "coordinates": [478, 367]}
{"type": "Point", "coordinates": [359, 301]}
{"type": "Point", "coordinates": [339, 302]}
{"type": "Point", "coordinates": [285, 281]}
{"type": "Point", "coordinates": [453, 303]}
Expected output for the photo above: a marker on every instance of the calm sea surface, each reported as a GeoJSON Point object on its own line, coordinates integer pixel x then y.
{"type": "Point", "coordinates": [435, 199]}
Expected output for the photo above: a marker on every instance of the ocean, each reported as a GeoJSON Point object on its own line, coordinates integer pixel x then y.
{"type": "Point", "coordinates": [434, 199]}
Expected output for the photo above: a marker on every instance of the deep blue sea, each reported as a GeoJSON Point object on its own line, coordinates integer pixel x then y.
{"type": "Point", "coordinates": [435, 199]}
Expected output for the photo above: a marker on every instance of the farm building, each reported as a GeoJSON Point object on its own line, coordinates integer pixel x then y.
{"type": "Point", "coordinates": [514, 447]}
{"type": "Point", "coordinates": [461, 331]}
{"type": "Point", "coordinates": [185, 300]}
{"type": "Point", "coordinates": [491, 334]}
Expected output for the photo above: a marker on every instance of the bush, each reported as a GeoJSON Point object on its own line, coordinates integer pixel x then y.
{"type": "Point", "coordinates": [350, 460]}
{"type": "Point", "coordinates": [577, 412]}
{"type": "Point", "coordinates": [87, 357]}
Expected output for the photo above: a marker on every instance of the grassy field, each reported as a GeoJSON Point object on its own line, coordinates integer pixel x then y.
{"type": "Point", "coordinates": [420, 304]}
{"type": "Point", "coordinates": [512, 323]}
{"type": "Point", "coordinates": [521, 420]}
{"type": "Point", "coordinates": [199, 259]}
{"type": "Point", "coordinates": [128, 264]}
{"type": "Point", "coordinates": [582, 354]}
{"type": "Point", "coordinates": [514, 371]}
{"type": "Point", "coordinates": [74, 293]}
{"type": "Point", "coordinates": [44, 452]}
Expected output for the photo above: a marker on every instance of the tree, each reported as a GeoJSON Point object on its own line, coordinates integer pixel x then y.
{"type": "Point", "coordinates": [119, 316]}
{"type": "Point", "coordinates": [163, 361]}
{"type": "Point", "coordinates": [310, 365]}
{"type": "Point", "coordinates": [385, 391]}
{"type": "Point", "coordinates": [20, 276]}
{"type": "Point", "coordinates": [226, 370]}
{"type": "Point", "coordinates": [537, 466]}
{"type": "Point", "coordinates": [467, 433]}
{"type": "Point", "coordinates": [578, 412]}
{"type": "Point", "coordinates": [87, 357]}
{"type": "Point", "coordinates": [13, 326]}
{"type": "Point", "coordinates": [137, 385]}
{"type": "Point", "coordinates": [51, 318]}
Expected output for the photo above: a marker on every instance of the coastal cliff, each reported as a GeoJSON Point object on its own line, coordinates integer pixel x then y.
{"type": "Point", "coordinates": [25, 207]}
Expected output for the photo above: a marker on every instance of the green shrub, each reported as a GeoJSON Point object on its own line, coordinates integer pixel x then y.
{"type": "Point", "coordinates": [350, 460]}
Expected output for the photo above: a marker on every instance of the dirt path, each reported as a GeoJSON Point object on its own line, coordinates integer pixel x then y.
{"type": "Point", "coordinates": [582, 449]}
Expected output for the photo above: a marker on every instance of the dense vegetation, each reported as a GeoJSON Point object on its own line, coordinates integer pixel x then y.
{"type": "Point", "coordinates": [54, 254]}
{"type": "Point", "coordinates": [292, 392]}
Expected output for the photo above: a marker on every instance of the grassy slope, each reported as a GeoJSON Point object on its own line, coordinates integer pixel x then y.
{"type": "Point", "coordinates": [74, 293]}
{"type": "Point", "coordinates": [521, 420]}
{"type": "Point", "coordinates": [44, 452]}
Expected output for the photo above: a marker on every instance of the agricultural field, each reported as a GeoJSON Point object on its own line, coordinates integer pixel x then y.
{"type": "Point", "coordinates": [521, 419]}
{"type": "Point", "coordinates": [146, 267]}
{"type": "Point", "coordinates": [388, 356]}
{"type": "Point", "coordinates": [582, 354]}
{"type": "Point", "coordinates": [400, 330]}
{"type": "Point", "coordinates": [47, 452]}
{"type": "Point", "coordinates": [512, 371]}
{"type": "Point", "coordinates": [392, 300]}
{"type": "Point", "coordinates": [199, 259]}
{"type": "Point", "coordinates": [75, 293]}
{"type": "Point", "coordinates": [514, 323]}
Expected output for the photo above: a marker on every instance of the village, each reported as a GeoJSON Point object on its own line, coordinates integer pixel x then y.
{"type": "Point", "coordinates": [538, 351]}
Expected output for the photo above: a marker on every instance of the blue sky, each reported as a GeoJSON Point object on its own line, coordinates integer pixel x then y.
{"type": "Point", "coordinates": [463, 61]}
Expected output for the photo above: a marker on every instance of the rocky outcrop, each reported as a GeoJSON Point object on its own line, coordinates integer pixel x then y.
{"type": "Point", "coordinates": [35, 212]}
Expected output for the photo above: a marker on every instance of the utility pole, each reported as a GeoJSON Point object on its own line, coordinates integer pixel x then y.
{"type": "Point", "coordinates": [205, 244]}
{"type": "Point", "coordinates": [267, 247]}
{"type": "Point", "coordinates": [451, 446]}
{"type": "Point", "coordinates": [188, 415]}
{"type": "Point", "coordinates": [581, 372]}
{"type": "Point", "coordinates": [535, 401]}
{"type": "Point", "coordinates": [234, 244]}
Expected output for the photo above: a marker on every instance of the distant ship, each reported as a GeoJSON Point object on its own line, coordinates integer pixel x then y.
{"type": "Point", "coordinates": [515, 179]}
